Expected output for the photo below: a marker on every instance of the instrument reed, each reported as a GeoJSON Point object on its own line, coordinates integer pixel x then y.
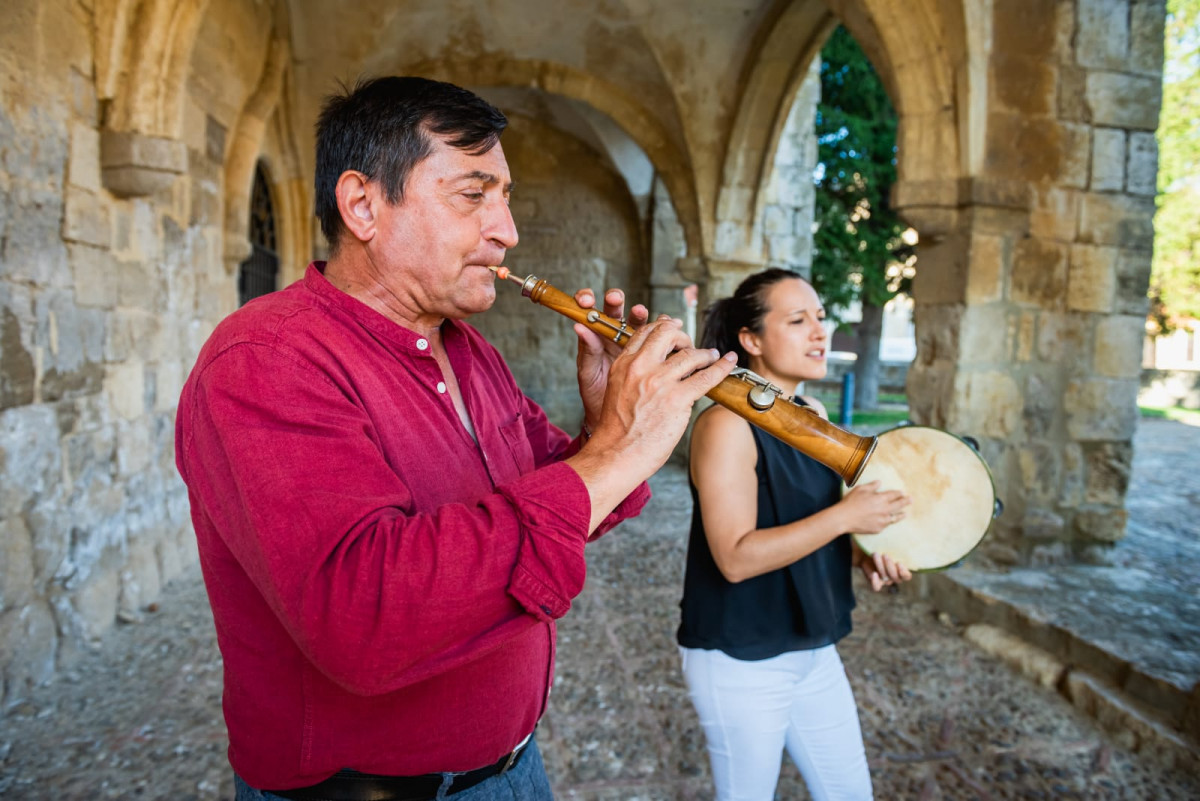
{"type": "Point", "coordinates": [743, 392]}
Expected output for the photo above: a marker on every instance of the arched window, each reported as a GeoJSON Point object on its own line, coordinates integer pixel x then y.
{"type": "Point", "coordinates": [259, 274]}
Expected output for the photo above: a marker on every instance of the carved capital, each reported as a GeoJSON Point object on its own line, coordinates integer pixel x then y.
{"type": "Point", "coordinates": [137, 165]}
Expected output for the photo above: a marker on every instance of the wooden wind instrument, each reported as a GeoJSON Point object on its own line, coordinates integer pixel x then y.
{"type": "Point", "coordinates": [743, 392]}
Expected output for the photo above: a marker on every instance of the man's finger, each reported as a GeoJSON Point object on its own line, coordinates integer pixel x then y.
{"type": "Point", "coordinates": [702, 380]}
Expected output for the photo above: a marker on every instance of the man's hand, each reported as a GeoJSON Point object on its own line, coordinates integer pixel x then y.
{"type": "Point", "coordinates": [651, 387]}
{"type": "Point", "coordinates": [595, 354]}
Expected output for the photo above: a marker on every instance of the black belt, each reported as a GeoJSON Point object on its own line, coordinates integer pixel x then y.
{"type": "Point", "coordinates": [350, 785]}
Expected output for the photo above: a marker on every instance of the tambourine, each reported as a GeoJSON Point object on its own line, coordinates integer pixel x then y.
{"type": "Point", "coordinates": [953, 497]}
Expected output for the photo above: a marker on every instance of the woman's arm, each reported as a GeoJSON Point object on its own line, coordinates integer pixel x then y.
{"type": "Point", "coordinates": [723, 459]}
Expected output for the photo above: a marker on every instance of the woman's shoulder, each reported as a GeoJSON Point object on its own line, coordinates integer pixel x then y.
{"type": "Point", "coordinates": [819, 407]}
{"type": "Point", "coordinates": [717, 421]}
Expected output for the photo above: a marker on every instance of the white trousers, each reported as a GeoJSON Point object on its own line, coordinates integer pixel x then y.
{"type": "Point", "coordinates": [751, 711]}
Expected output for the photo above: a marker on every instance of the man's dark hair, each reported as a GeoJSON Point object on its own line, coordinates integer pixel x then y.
{"type": "Point", "coordinates": [382, 129]}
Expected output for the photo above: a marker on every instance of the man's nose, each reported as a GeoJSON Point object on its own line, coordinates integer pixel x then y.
{"type": "Point", "coordinates": [500, 226]}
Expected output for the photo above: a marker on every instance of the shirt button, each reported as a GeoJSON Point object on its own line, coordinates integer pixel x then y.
{"type": "Point", "coordinates": [442, 387]}
{"type": "Point", "coordinates": [422, 344]}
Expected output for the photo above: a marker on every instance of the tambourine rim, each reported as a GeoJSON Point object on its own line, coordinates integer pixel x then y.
{"type": "Point", "coordinates": [991, 481]}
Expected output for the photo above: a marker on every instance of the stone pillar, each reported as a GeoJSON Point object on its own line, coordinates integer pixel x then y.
{"type": "Point", "coordinates": [1031, 283]}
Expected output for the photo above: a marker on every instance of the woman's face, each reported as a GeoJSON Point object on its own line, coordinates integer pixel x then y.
{"type": "Point", "coordinates": [791, 345]}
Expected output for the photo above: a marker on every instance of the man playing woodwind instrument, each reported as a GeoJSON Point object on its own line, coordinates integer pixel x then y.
{"type": "Point", "coordinates": [388, 527]}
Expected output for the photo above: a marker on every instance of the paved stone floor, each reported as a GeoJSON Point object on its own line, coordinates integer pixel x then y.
{"type": "Point", "coordinates": [140, 717]}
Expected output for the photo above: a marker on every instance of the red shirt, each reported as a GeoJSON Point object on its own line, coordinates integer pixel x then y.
{"type": "Point", "coordinates": [384, 588]}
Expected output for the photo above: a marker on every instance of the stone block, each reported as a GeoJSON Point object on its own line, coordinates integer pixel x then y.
{"type": "Point", "coordinates": [86, 218]}
{"type": "Point", "coordinates": [1041, 407]}
{"type": "Point", "coordinates": [1102, 34]}
{"type": "Point", "coordinates": [133, 451]}
{"type": "Point", "coordinates": [1065, 340]}
{"type": "Point", "coordinates": [1076, 150]}
{"type": "Point", "coordinates": [16, 563]}
{"type": "Point", "coordinates": [32, 219]}
{"type": "Point", "coordinates": [26, 451]}
{"type": "Point", "coordinates": [942, 277]}
{"type": "Point", "coordinates": [1072, 98]}
{"type": "Point", "coordinates": [1021, 147]}
{"type": "Point", "coordinates": [141, 582]}
{"type": "Point", "coordinates": [1091, 278]}
{"type": "Point", "coordinates": [938, 333]}
{"type": "Point", "coordinates": [94, 276]}
{"type": "Point", "coordinates": [1119, 220]}
{"type": "Point", "coordinates": [169, 381]}
{"type": "Point", "coordinates": [1043, 525]}
{"type": "Point", "coordinates": [1023, 337]}
{"type": "Point", "coordinates": [1107, 474]}
{"type": "Point", "coordinates": [1033, 662]}
{"type": "Point", "coordinates": [1024, 84]}
{"type": "Point", "coordinates": [1099, 523]}
{"type": "Point", "coordinates": [1039, 273]}
{"type": "Point", "coordinates": [82, 92]}
{"type": "Point", "coordinates": [140, 285]}
{"type": "Point", "coordinates": [137, 165]}
{"type": "Point", "coordinates": [1074, 468]}
{"type": "Point", "coordinates": [1055, 214]}
{"type": "Point", "coordinates": [83, 164]}
{"type": "Point", "coordinates": [1133, 279]}
{"type": "Point", "coordinates": [18, 370]}
{"type": "Point", "coordinates": [984, 337]}
{"type": "Point", "coordinates": [1146, 38]}
{"type": "Point", "coordinates": [1141, 174]}
{"type": "Point", "coordinates": [93, 603]}
{"type": "Point", "coordinates": [126, 387]}
{"type": "Point", "coordinates": [987, 269]}
{"type": "Point", "coordinates": [1108, 160]}
{"type": "Point", "coordinates": [1118, 346]}
{"type": "Point", "coordinates": [989, 404]}
{"type": "Point", "coordinates": [28, 648]}
{"type": "Point", "coordinates": [1120, 100]}
{"type": "Point", "coordinates": [1027, 27]}
{"type": "Point", "coordinates": [780, 249]}
{"type": "Point", "coordinates": [1101, 409]}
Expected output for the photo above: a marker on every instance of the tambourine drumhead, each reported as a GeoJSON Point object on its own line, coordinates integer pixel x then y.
{"type": "Point", "coordinates": [953, 498]}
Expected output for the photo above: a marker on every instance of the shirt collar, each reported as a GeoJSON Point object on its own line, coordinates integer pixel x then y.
{"type": "Point", "coordinates": [404, 339]}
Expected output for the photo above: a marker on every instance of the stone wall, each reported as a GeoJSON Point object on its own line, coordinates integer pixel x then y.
{"type": "Point", "coordinates": [790, 197]}
{"type": "Point", "coordinates": [110, 280]}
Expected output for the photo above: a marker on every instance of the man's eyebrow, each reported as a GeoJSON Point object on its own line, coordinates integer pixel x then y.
{"type": "Point", "coordinates": [485, 177]}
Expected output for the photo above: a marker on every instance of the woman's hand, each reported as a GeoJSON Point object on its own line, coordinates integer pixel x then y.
{"type": "Point", "coordinates": [880, 569]}
{"type": "Point", "coordinates": [867, 510]}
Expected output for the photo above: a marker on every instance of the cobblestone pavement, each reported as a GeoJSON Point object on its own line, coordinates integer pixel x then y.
{"type": "Point", "coordinates": [140, 717]}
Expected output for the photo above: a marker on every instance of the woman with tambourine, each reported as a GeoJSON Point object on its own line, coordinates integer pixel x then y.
{"type": "Point", "coordinates": [767, 593]}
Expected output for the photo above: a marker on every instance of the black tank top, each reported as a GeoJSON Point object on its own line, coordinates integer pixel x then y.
{"type": "Point", "coordinates": [802, 606]}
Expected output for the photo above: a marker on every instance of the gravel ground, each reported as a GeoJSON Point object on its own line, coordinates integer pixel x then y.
{"type": "Point", "coordinates": [140, 717]}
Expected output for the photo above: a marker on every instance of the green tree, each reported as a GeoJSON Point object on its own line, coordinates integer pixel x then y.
{"type": "Point", "coordinates": [858, 250]}
{"type": "Point", "coordinates": [1175, 277]}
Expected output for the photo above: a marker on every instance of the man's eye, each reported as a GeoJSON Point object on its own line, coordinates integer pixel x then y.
{"type": "Point", "coordinates": [473, 195]}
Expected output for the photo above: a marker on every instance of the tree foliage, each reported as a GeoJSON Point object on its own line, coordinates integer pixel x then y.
{"type": "Point", "coordinates": [1175, 278]}
{"type": "Point", "coordinates": [857, 243]}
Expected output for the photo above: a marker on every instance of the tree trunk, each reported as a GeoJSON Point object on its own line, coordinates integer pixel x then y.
{"type": "Point", "coordinates": [866, 368]}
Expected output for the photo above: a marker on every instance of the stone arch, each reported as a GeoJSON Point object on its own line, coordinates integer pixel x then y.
{"type": "Point", "coordinates": [641, 124]}
{"type": "Point", "coordinates": [143, 84]}
{"type": "Point", "coordinates": [904, 46]}
{"type": "Point", "coordinates": [246, 146]}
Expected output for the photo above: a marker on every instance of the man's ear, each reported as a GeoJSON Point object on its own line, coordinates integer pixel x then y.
{"type": "Point", "coordinates": [355, 202]}
{"type": "Point", "coordinates": [750, 342]}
